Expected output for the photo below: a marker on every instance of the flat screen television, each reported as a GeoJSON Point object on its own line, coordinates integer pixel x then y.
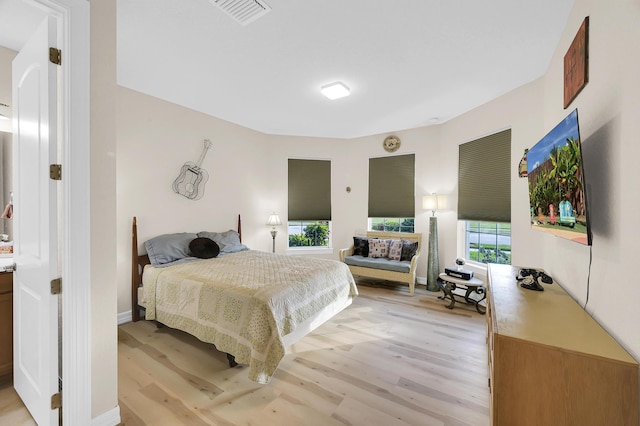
{"type": "Point", "coordinates": [557, 195]}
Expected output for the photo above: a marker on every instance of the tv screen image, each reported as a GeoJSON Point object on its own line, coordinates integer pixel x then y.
{"type": "Point", "coordinates": [557, 196]}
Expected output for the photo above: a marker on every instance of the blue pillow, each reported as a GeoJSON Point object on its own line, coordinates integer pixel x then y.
{"type": "Point", "coordinates": [229, 241]}
{"type": "Point", "coordinates": [168, 248]}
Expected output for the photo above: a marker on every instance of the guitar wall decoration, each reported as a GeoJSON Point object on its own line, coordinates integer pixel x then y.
{"type": "Point", "coordinates": [192, 178]}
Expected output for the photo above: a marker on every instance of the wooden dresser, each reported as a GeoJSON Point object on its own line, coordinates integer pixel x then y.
{"type": "Point", "coordinates": [550, 363]}
{"type": "Point", "coordinates": [6, 326]}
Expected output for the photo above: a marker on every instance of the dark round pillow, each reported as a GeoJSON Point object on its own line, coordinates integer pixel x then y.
{"type": "Point", "coordinates": [204, 248]}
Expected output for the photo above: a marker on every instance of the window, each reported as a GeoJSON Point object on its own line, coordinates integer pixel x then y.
{"type": "Point", "coordinates": [484, 198]}
{"type": "Point", "coordinates": [391, 193]}
{"type": "Point", "coordinates": [309, 233]}
{"type": "Point", "coordinates": [309, 203]}
{"type": "Point", "coordinates": [488, 242]}
{"type": "Point", "coordinates": [391, 224]}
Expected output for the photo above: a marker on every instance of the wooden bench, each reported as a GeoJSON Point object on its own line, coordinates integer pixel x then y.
{"type": "Point", "coordinates": [372, 270]}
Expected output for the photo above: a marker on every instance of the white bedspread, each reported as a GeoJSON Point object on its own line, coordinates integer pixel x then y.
{"type": "Point", "coordinates": [245, 303]}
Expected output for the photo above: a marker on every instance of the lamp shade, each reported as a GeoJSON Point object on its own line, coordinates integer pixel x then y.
{"type": "Point", "coordinates": [274, 220]}
{"type": "Point", "coordinates": [434, 202]}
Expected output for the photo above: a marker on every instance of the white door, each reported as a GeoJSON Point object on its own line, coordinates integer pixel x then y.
{"type": "Point", "coordinates": [35, 230]}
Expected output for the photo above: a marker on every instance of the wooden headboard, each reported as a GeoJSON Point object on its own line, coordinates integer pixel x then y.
{"type": "Point", "coordinates": [138, 262]}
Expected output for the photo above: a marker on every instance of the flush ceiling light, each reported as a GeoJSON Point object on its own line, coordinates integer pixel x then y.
{"type": "Point", "coordinates": [335, 90]}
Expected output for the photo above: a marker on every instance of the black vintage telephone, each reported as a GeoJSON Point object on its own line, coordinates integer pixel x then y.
{"type": "Point", "coordinates": [531, 279]}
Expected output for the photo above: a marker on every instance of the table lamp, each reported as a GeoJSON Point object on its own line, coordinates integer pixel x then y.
{"type": "Point", "coordinates": [274, 221]}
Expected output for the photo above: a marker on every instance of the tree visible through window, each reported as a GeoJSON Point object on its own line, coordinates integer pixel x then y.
{"type": "Point", "coordinates": [309, 234]}
{"type": "Point", "coordinates": [391, 224]}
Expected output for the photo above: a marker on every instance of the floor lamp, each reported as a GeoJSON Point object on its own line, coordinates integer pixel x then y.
{"type": "Point", "coordinates": [274, 221]}
{"type": "Point", "coordinates": [433, 202]}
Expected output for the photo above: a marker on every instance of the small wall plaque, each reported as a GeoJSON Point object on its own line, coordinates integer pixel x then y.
{"type": "Point", "coordinates": [576, 64]}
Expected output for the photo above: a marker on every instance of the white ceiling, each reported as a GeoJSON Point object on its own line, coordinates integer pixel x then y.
{"type": "Point", "coordinates": [409, 63]}
{"type": "Point", "coordinates": [18, 20]}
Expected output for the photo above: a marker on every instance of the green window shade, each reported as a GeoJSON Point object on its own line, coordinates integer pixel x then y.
{"type": "Point", "coordinates": [484, 179]}
{"type": "Point", "coordinates": [391, 186]}
{"type": "Point", "coordinates": [309, 190]}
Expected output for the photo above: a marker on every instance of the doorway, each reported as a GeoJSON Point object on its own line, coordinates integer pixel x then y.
{"type": "Point", "coordinates": [74, 240]}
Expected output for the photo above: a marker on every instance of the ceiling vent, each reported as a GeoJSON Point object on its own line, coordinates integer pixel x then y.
{"type": "Point", "coordinates": [243, 11]}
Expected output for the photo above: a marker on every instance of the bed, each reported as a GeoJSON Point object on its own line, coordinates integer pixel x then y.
{"type": "Point", "coordinates": [251, 304]}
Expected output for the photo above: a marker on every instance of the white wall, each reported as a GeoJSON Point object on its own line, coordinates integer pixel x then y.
{"type": "Point", "coordinates": [520, 110]}
{"type": "Point", "coordinates": [155, 138]}
{"type": "Point", "coordinates": [249, 175]}
{"type": "Point", "coordinates": [104, 344]}
{"type": "Point", "coordinates": [609, 111]}
{"type": "Point", "coordinates": [609, 107]}
{"type": "Point", "coordinates": [350, 167]}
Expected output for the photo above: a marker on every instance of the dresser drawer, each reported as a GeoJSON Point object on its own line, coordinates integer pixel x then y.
{"type": "Point", "coordinates": [6, 326]}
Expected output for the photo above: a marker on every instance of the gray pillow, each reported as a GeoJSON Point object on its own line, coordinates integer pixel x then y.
{"type": "Point", "coordinates": [229, 241]}
{"type": "Point", "coordinates": [409, 249]}
{"type": "Point", "coordinates": [168, 248]}
{"type": "Point", "coordinates": [360, 246]}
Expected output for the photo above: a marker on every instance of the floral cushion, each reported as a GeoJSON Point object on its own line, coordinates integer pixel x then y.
{"type": "Point", "coordinates": [378, 247]}
{"type": "Point", "coordinates": [395, 249]}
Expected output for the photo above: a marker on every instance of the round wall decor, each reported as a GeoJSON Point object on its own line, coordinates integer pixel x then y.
{"type": "Point", "coordinates": [391, 143]}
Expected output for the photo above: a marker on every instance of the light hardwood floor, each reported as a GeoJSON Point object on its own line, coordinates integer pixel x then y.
{"type": "Point", "coordinates": [12, 411]}
{"type": "Point", "coordinates": [388, 359]}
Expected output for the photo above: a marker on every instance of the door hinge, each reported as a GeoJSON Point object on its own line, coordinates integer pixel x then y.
{"type": "Point", "coordinates": [56, 401]}
{"type": "Point", "coordinates": [56, 286]}
{"type": "Point", "coordinates": [55, 171]}
{"type": "Point", "coordinates": [55, 55]}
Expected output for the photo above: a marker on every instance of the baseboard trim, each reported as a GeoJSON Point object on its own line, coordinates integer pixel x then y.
{"type": "Point", "coordinates": [421, 280]}
{"type": "Point", "coordinates": [110, 418]}
{"type": "Point", "coordinates": [124, 317]}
